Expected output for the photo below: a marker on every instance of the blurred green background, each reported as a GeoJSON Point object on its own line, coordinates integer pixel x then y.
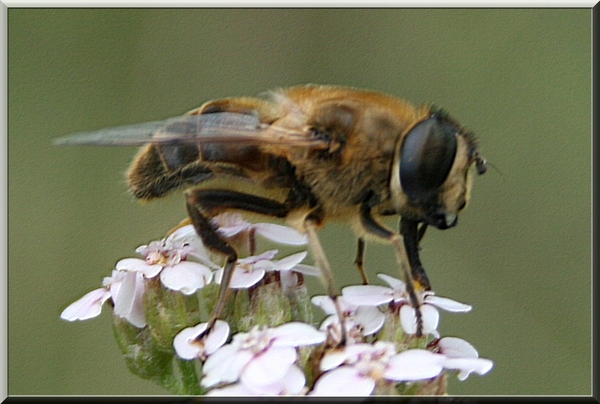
{"type": "Point", "coordinates": [519, 78]}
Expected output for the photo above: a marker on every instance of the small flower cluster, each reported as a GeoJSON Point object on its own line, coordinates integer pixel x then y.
{"type": "Point", "coordinates": [268, 344]}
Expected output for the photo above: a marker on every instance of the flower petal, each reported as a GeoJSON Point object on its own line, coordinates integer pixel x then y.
{"type": "Point", "coordinates": [296, 334]}
{"type": "Point", "coordinates": [225, 365]}
{"type": "Point", "coordinates": [217, 336]}
{"type": "Point", "coordinates": [243, 279]}
{"type": "Point", "coordinates": [431, 319]}
{"type": "Point", "coordinates": [186, 277]}
{"type": "Point", "coordinates": [367, 295]}
{"type": "Point", "coordinates": [187, 347]}
{"type": "Point", "coordinates": [138, 265]}
{"type": "Point", "coordinates": [467, 365]}
{"type": "Point", "coordinates": [325, 303]}
{"type": "Point", "coordinates": [447, 304]}
{"type": "Point", "coordinates": [290, 261]}
{"type": "Point", "coordinates": [268, 367]}
{"type": "Point", "coordinates": [394, 283]}
{"type": "Point", "coordinates": [408, 319]}
{"type": "Point", "coordinates": [454, 347]}
{"type": "Point", "coordinates": [88, 306]}
{"type": "Point", "coordinates": [332, 359]}
{"type": "Point", "coordinates": [370, 318]}
{"type": "Point", "coordinates": [293, 382]}
{"type": "Point", "coordinates": [230, 231]}
{"type": "Point", "coordinates": [343, 381]}
{"type": "Point", "coordinates": [307, 270]}
{"type": "Point", "coordinates": [280, 234]}
{"type": "Point", "coordinates": [184, 344]}
{"type": "Point", "coordinates": [127, 297]}
{"type": "Point", "coordinates": [414, 364]}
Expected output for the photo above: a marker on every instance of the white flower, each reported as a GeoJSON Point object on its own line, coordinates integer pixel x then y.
{"type": "Point", "coordinates": [188, 347]}
{"type": "Point", "coordinates": [169, 258]}
{"type": "Point", "coordinates": [373, 295]}
{"type": "Point", "coordinates": [359, 320]}
{"type": "Point", "coordinates": [247, 271]}
{"type": "Point", "coordinates": [230, 224]}
{"type": "Point", "coordinates": [292, 383]}
{"type": "Point", "coordinates": [89, 306]}
{"type": "Point", "coordinates": [462, 356]}
{"type": "Point", "coordinates": [355, 370]}
{"type": "Point", "coordinates": [250, 270]}
{"type": "Point", "coordinates": [260, 357]}
{"type": "Point", "coordinates": [124, 288]}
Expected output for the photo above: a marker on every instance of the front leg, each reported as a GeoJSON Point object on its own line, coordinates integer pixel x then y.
{"type": "Point", "coordinates": [376, 229]}
{"type": "Point", "coordinates": [412, 235]}
{"type": "Point", "coordinates": [203, 204]}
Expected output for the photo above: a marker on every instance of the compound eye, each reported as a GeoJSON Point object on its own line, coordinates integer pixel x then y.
{"type": "Point", "coordinates": [426, 157]}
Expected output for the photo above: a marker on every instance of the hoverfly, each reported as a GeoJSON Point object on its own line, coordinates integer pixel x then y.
{"type": "Point", "coordinates": [308, 155]}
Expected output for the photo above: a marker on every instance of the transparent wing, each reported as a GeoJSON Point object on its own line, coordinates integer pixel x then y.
{"type": "Point", "coordinates": [207, 128]}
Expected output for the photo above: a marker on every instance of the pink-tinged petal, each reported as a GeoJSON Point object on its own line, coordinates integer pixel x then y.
{"type": "Point", "coordinates": [231, 231]}
{"type": "Point", "coordinates": [370, 318]}
{"type": "Point", "coordinates": [290, 261]}
{"type": "Point", "coordinates": [343, 381]}
{"type": "Point", "coordinates": [253, 259]}
{"type": "Point", "coordinates": [467, 365]}
{"type": "Point", "coordinates": [268, 367]}
{"type": "Point", "coordinates": [229, 223]}
{"type": "Point", "coordinates": [394, 283]}
{"type": "Point", "coordinates": [447, 304]}
{"type": "Point", "coordinates": [136, 314]}
{"type": "Point", "coordinates": [183, 233]}
{"type": "Point", "coordinates": [127, 298]}
{"type": "Point", "coordinates": [186, 277]}
{"type": "Point", "coordinates": [138, 265]}
{"type": "Point", "coordinates": [367, 295]}
{"type": "Point", "coordinates": [414, 364]}
{"type": "Point", "coordinates": [431, 319]}
{"type": "Point", "coordinates": [88, 306]}
{"type": "Point", "coordinates": [454, 347]}
{"type": "Point", "coordinates": [280, 234]}
{"type": "Point", "coordinates": [307, 270]}
{"type": "Point", "coordinates": [243, 279]}
{"type": "Point", "coordinates": [296, 334]}
{"type": "Point", "coordinates": [225, 365]}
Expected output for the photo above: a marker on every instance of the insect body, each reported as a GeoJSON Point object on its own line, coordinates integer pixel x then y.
{"type": "Point", "coordinates": [309, 155]}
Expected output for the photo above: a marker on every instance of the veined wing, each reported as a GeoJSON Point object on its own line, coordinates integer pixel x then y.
{"type": "Point", "coordinates": [220, 127]}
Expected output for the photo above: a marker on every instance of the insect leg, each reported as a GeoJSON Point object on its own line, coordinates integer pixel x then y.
{"type": "Point", "coordinates": [205, 203]}
{"type": "Point", "coordinates": [412, 235]}
{"type": "Point", "coordinates": [326, 273]}
{"type": "Point", "coordinates": [359, 260]}
{"type": "Point", "coordinates": [373, 227]}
